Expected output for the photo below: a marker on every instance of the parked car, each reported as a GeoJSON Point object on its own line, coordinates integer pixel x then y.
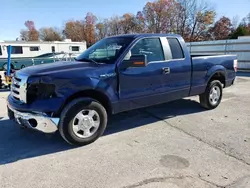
{"type": "Point", "coordinates": [20, 63]}
{"type": "Point", "coordinates": [77, 97]}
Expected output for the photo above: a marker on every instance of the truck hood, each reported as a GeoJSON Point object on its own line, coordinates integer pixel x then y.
{"type": "Point", "coordinates": [66, 69]}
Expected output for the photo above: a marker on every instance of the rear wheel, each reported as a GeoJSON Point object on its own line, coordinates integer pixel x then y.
{"type": "Point", "coordinates": [212, 96]}
{"type": "Point", "coordinates": [5, 66]}
{"type": "Point", "coordinates": [83, 122]}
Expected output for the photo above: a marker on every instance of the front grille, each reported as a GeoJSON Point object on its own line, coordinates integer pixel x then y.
{"type": "Point", "coordinates": [19, 86]}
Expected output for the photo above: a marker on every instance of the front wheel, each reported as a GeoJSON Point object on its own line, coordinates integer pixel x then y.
{"type": "Point", "coordinates": [212, 96]}
{"type": "Point", "coordinates": [83, 121]}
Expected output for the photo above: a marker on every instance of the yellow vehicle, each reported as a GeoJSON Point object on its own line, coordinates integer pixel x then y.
{"type": "Point", "coordinates": [8, 79]}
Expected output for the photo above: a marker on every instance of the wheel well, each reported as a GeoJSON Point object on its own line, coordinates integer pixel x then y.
{"type": "Point", "coordinates": [99, 96]}
{"type": "Point", "coordinates": [219, 76]}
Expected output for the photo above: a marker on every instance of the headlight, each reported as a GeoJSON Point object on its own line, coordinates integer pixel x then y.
{"type": "Point", "coordinates": [36, 89]}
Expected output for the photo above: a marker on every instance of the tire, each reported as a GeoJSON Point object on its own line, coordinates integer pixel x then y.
{"type": "Point", "coordinates": [211, 101]}
{"type": "Point", "coordinates": [69, 119]}
{"type": "Point", "coordinates": [23, 66]}
{"type": "Point", "coordinates": [5, 66]}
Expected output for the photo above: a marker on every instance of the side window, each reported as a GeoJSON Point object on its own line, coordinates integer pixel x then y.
{"type": "Point", "coordinates": [1, 50]}
{"type": "Point", "coordinates": [75, 48]}
{"type": "Point", "coordinates": [176, 49]}
{"type": "Point", "coordinates": [34, 48]}
{"type": "Point", "coordinates": [149, 46]}
{"type": "Point", "coordinates": [53, 49]}
{"type": "Point", "coordinates": [17, 50]}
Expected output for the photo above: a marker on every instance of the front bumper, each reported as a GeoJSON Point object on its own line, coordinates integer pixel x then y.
{"type": "Point", "coordinates": [39, 122]}
{"type": "Point", "coordinates": [50, 105]}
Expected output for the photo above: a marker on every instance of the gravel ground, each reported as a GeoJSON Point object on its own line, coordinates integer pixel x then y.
{"type": "Point", "coordinates": [175, 145]}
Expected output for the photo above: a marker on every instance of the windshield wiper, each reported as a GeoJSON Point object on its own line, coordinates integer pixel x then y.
{"type": "Point", "coordinates": [87, 59]}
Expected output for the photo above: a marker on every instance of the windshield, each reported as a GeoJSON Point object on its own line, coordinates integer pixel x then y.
{"type": "Point", "coordinates": [106, 50]}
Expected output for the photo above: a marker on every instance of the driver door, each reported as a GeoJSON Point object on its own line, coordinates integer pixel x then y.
{"type": "Point", "coordinates": [139, 86]}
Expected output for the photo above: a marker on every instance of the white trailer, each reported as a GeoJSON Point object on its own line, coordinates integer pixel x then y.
{"type": "Point", "coordinates": [24, 49]}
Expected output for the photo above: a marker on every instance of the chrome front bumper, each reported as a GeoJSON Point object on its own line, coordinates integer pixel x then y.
{"type": "Point", "coordinates": [39, 122]}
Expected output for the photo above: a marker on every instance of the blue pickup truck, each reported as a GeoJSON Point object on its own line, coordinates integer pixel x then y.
{"type": "Point", "coordinates": [116, 74]}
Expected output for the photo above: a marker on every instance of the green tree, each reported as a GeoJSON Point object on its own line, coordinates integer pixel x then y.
{"type": "Point", "coordinates": [240, 31]}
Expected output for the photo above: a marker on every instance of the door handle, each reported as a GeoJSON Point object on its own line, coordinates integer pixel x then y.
{"type": "Point", "coordinates": [166, 70]}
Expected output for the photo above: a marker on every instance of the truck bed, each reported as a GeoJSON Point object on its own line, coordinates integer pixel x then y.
{"type": "Point", "coordinates": [203, 65]}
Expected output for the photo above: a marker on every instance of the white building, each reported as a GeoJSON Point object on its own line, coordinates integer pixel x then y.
{"type": "Point", "coordinates": [21, 49]}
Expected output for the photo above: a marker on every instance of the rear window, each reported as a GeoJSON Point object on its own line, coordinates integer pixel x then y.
{"type": "Point", "coordinates": [176, 49]}
{"type": "Point", "coordinates": [1, 50]}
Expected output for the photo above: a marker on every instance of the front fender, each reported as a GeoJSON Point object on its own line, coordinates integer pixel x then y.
{"type": "Point", "coordinates": [70, 87]}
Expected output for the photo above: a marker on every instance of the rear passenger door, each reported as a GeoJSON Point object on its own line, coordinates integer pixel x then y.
{"type": "Point", "coordinates": [177, 80]}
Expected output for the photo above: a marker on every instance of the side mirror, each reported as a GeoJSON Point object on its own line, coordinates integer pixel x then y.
{"type": "Point", "coordinates": [135, 61]}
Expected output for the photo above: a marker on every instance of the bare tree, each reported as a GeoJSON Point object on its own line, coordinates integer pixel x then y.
{"type": "Point", "coordinates": [201, 17]}
{"type": "Point", "coordinates": [100, 33]}
{"type": "Point", "coordinates": [186, 15]}
{"type": "Point", "coordinates": [222, 29]}
{"type": "Point", "coordinates": [114, 26]}
{"type": "Point", "coordinates": [235, 22]}
{"type": "Point", "coordinates": [128, 23]}
{"type": "Point", "coordinates": [89, 25]}
{"type": "Point", "coordinates": [24, 35]}
{"type": "Point", "coordinates": [50, 34]}
{"type": "Point", "coordinates": [75, 30]}
{"type": "Point", "coordinates": [30, 34]}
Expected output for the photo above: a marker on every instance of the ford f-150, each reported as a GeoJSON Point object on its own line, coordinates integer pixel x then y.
{"type": "Point", "coordinates": [116, 74]}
